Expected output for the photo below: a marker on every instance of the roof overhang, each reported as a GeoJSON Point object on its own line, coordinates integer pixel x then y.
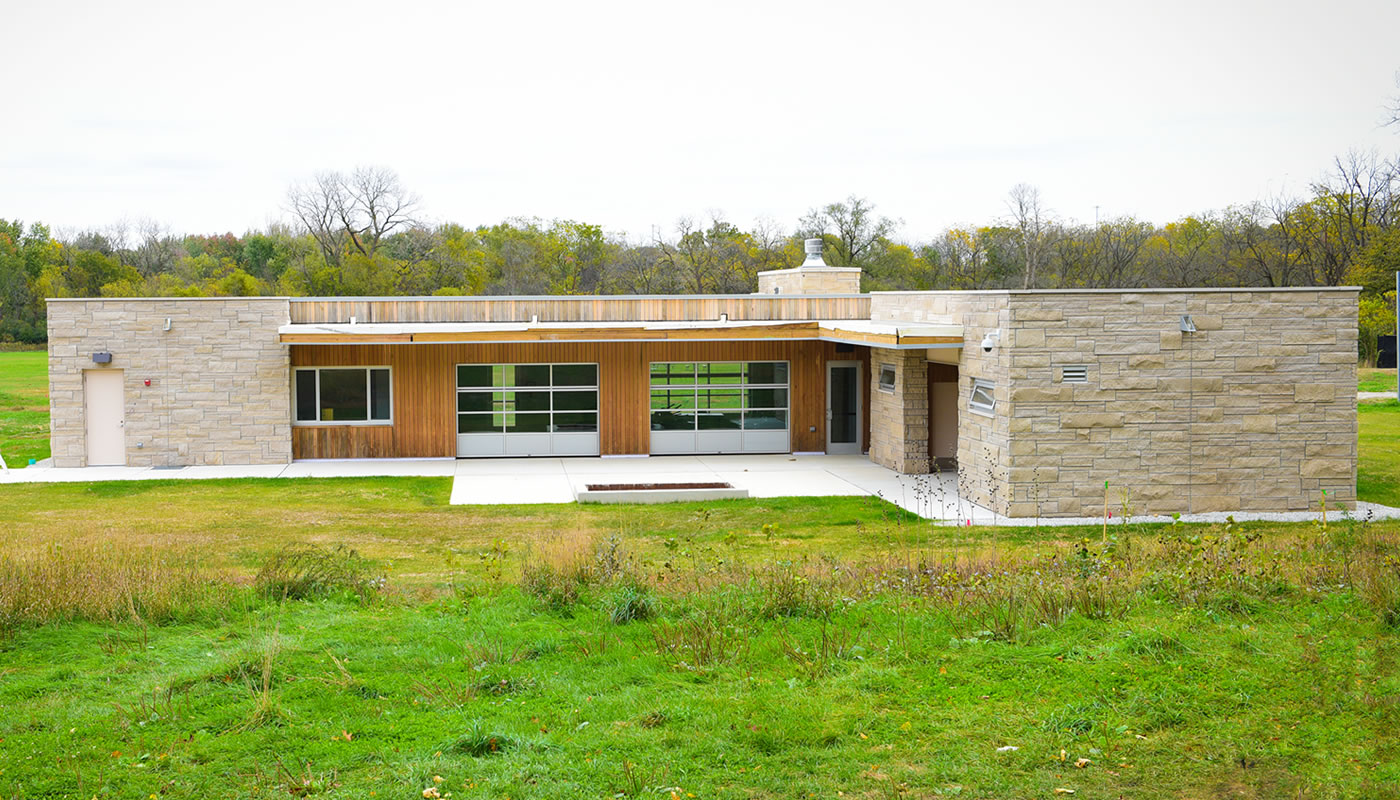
{"type": "Point", "coordinates": [886, 335]}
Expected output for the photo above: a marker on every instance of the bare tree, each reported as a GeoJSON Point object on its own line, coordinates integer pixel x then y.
{"type": "Point", "coordinates": [157, 252]}
{"type": "Point", "coordinates": [860, 234]}
{"type": "Point", "coordinates": [352, 213]}
{"type": "Point", "coordinates": [1034, 228]}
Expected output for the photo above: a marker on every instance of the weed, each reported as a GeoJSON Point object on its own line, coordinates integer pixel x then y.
{"type": "Point", "coordinates": [632, 601]}
{"type": "Point", "coordinates": [702, 640]}
{"type": "Point", "coordinates": [817, 659]}
{"type": "Point", "coordinates": [637, 782]}
{"type": "Point", "coordinates": [479, 742]}
{"type": "Point", "coordinates": [300, 572]}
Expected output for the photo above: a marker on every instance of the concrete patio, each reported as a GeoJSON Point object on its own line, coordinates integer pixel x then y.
{"type": "Point", "coordinates": [526, 481]}
{"type": "Point", "coordinates": [555, 480]}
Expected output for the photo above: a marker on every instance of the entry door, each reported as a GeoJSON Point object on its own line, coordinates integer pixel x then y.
{"type": "Point", "coordinates": [104, 410]}
{"type": "Point", "coordinates": [843, 407]}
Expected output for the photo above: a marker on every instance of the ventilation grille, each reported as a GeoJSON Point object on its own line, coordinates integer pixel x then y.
{"type": "Point", "coordinates": [1079, 374]}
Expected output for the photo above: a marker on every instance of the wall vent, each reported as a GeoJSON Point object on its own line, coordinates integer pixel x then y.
{"type": "Point", "coordinates": [1075, 374]}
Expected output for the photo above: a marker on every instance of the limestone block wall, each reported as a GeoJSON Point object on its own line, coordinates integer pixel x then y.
{"type": "Point", "coordinates": [810, 280]}
{"type": "Point", "coordinates": [1256, 411]}
{"type": "Point", "coordinates": [899, 418]}
{"type": "Point", "coordinates": [219, 388]}
{"type": "Point", "coordinates": [983, 440]}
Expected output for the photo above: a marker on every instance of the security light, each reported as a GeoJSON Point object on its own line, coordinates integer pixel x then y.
{"type": "Point", "coordinates": [1187, 325]}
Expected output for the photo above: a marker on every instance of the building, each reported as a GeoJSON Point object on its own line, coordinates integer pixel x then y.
{"type": "Point", "coordinates": [1190, 400]}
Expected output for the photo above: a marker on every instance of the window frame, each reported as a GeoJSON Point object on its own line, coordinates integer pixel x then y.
{"type": "Point", "coordinates": [369, 396]}
{"type": "Point", "coordinates": [551, 388]}
{"type": "Point", "coordinates": [987, 387]}
{"type": "Point", "coordinates": [743, 388]}
{"type": "Point", "coordinates": [894, 378]}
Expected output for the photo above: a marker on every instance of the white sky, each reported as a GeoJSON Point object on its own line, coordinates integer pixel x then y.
{"type": "Point", "coordinates": [631, 115]}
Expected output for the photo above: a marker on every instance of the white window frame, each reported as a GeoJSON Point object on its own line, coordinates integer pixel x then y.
{"type": "Point", "coordinates": [369, 396]}
{"type": "Point", "coordinates": [980, 386]}
{"type": "Point", "coordinates": [742, 387]}
{"type": "Point", "coordinates": [552, 389]}
{"type": "Point", "coordinates": [894, 378]}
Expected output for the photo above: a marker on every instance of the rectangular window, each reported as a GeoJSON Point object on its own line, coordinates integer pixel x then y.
{"type": "Point", "coordinates": [1074, 374]}
{"type": "Point", "coordinates": [527, 398]}
{"type": "Point", "coordinates": [887, 377]}
{"type": "Point", "coordinates": [343, 396]}
{"type": "Point", "coordinates": [719, 396]}
{"type": "Point", "coordinates": [982, 399]}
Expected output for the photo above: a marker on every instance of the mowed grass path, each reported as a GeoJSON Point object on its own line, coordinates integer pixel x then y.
{"type": "Point", "coordinates": [24, 407]}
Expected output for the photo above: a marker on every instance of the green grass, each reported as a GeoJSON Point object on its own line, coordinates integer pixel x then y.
{"type": "Point", "coordinates": [1248, 662]}
{"type": "Point", "coordinates": [1375, 380]}
{"type": "Point", "coordinates": [1378, 469]}
{"type": "Point", "coordinates": [24, 407]}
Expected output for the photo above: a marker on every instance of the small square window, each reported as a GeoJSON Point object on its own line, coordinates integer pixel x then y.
{"type": "Point", "coordinates": [1074, 374]}
{"type": "Point", "coordinates": [887, 377]}
{"type": "Point", "coordinates": [982, 399]}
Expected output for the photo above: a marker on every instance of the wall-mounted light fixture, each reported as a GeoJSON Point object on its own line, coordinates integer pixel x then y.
{"type": "Point", "coordinates": [1187, 324]}
{"type": "Point", "coordinates": [101, 358]}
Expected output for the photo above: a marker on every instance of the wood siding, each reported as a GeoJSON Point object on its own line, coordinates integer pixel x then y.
{"type": "Point", "coordinates": [579, 309]}
{"type": "Point", "coordinates": [424, 385]}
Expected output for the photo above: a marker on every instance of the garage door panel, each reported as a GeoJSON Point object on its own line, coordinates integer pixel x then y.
{"type": "Point", "coordinates": [527, 410]}
{"type": "Point", "coordinates": [728, 407]}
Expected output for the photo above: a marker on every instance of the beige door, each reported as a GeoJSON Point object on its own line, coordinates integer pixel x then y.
{"type": "Point", "coordinates": [104, 409]}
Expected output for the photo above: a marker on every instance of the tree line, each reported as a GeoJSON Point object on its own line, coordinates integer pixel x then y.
{"type": "Point", "coordinates": [362, 233]}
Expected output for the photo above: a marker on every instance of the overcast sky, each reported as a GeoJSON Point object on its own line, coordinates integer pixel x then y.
{"type": "Point", "coordinates": [631, 115]}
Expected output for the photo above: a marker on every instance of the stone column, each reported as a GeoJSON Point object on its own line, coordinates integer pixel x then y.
{"type": "Point", "coordinates": [899, 419]}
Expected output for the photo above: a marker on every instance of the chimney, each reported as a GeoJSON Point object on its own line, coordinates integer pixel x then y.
{"type": "Point", "coordinates": [812, 277]}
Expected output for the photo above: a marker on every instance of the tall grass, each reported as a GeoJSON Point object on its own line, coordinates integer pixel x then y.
{"type": "Point", "coordinates": [108, 583]}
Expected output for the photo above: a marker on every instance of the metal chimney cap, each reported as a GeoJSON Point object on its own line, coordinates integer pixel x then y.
{"type": "Point", "coordinates": [813, 247]}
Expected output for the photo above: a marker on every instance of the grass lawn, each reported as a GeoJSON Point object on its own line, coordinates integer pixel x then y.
{"type": "Point", "coordinates": [1378, 441]}
{"type": "Point", "coordinates": [1375, 380]}
{"type": "Point", "coordinates": [809, 647]}
{"type": "Point", "coordinates": [24, 407]}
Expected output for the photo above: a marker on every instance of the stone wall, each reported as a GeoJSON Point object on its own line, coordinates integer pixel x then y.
{"type": "Point", "coordinates": [810, 280]}
{"type": "Point", "coordinates": [219, 388]}
{"type": "Point", "coordinates": [1256, 411]}
{"type": "Point", "coordinates": [982, 439]}
{"type": "Point", "coordinates": [899, 418]}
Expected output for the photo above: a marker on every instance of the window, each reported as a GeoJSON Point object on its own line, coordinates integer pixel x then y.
{"type": "Point", "coordinates": [982, 399]}
{"type": "Point", "coordinates": [344, 396]}
{"type": "Point", "coordinates": [1075, 374]}
{"type": "Point", "coordinates": [527, 398]}
{"type": "Point", "coordinates": [887, 377]}
{"type": "Point", "coordinates": [719, 396]}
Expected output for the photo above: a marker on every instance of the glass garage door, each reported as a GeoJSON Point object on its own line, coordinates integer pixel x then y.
{"type": "Point", "coordinates": [730, 407]}
{"type": "Point", "coordinates": [527, 409]}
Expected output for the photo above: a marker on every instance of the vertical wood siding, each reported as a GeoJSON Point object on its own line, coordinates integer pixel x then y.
{"type": "Point", "coordinates": [579, 309]}
{"type": "Point", "coordinates": [424, 385]}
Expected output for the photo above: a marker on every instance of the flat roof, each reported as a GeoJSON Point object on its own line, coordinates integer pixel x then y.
{"type": "Point", "coordinates": [888, 335]}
